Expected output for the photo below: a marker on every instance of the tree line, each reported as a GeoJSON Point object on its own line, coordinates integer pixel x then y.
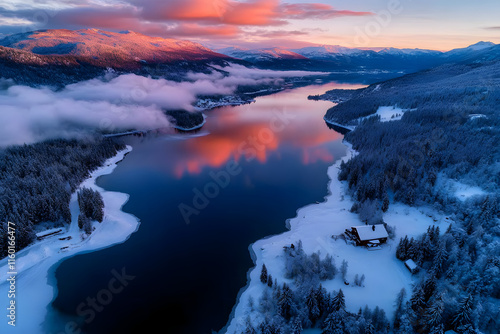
{"type": "Point", "coordinates": [36, 182]}
{"type": "Point", "coordinates": [440, 138]}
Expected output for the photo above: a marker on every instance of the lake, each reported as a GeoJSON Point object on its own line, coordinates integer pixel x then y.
{"type": "Point", "coordinates": [202, 199]}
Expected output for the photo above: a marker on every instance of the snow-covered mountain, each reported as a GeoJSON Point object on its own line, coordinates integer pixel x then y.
{"type": "Point", "coordinates": [470, 51]}
{"type": "Point", "coordinates": [340, 58]}
{"type": "Point", "coordinates": [409, 52]}
{"type": "Point", "coordinates": [59, 57]}
{"type": "Point", "coordinates": [119, 50]}
{"type": "Point", "coordinates": [335, 51]}
{"type": "Point", "coordinates": [475, 47]}
{"type": "Point", "coordinates": [256, 55]}
{"type": "Point", "coordinates": [328, 51]}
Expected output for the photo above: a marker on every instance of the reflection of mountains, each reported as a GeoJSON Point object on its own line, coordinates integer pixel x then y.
{"type": "Point", "coordinates": [235, 138]}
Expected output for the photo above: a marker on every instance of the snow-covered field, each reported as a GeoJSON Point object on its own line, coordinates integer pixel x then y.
{"type": "Point", "coordinates": [387, 113]}
{"type": "Point", "coordinates": [315, 225]}
{"type": "Point", "coordinates": [460, 190]}
{"type": "Point", "coordinates": [390, 113]}
{"type": "Point", "coordinates": [35, 263]}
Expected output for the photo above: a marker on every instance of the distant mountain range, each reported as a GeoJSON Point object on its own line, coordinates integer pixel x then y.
{"type": "Point", "coordinates": [340, 58]}
{"type": "Point", "coordinates": [61, 56]}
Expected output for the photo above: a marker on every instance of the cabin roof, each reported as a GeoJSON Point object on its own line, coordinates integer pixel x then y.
{"type": "Point", "coordinates": [367, 232]}
{"type": "Point", "coordinates": [411, 264]}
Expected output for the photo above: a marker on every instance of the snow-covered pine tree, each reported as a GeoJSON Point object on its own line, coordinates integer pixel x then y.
{"type": "Point", "coordinates": [285, 302]}
{"type": "Point", "coordinates": [263, 274]}
{"type": "Point", "coordinates": [338, 302]}
{"type": "Point", "coordinates": [334, 323]}
{"type": "Point", "coordinates": [417, 301]}
{"type": "Point", "coordinates": [296, 327]}
{"type": "Point", "coordinates": [312, 305]}
{"type": "Point", "coordinates": [400, 306]}
{"type": "Point", "coordinates": [343, 269]}
{"type": "Point", "coordinates": [463, 315]}
{"type": "Point", "coordinates": [434, 313]}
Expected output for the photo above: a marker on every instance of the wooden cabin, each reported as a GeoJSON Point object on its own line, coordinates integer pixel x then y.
{"type": "Point", "coordinates": [411, 265]}
{"type": "Point", "coordinates": [368, 235]}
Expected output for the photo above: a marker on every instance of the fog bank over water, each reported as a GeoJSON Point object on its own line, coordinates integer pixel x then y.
{"type": "Point", "coordinates": [114, 102]}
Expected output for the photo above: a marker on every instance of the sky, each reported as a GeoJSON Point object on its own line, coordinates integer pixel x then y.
{"type": "Point", "coordinates": [428, 24]}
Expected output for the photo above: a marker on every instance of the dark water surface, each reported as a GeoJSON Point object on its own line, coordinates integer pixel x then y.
{"type": "Point", "coordinates": [254, 166]}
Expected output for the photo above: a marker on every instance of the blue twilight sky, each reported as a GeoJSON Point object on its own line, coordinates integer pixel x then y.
{"type": "Point", "coordinates": [434, 24]}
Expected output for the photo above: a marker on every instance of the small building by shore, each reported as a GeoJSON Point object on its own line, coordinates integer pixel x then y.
{"type": "Point", "coordinates": [411, 265]}
{"type": "Point", "coordinates": [368, 235]}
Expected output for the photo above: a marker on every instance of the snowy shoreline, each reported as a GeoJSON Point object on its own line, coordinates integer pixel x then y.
{"type": "Point", "coordinates": [314, 225]}
{"type": "Point", "coordinates": [36, 263]}
{"type": "Point", "coordinates": [347, 127]}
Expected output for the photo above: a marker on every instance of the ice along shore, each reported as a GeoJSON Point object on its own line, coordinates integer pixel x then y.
{"type": "Point", "coordinates": [36, 264]}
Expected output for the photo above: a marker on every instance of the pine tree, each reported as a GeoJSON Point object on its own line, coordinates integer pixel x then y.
{"type": "Point", "coordinates": [323, 298]}
{"type": "Point", "coordinates": [312, 305]}
{"type": "Point", "coordinates": [385, 203]}
{"type": "Point", "coordinates": [402, 249]}
{"type": "Point", "coordinates": [437, 329]}
{"type": "Point", "coordinates": [434, 313]}
{"type": "Point", "coordinates": [398, 313]}
{"type": "Point", "coordinates": [334, 323]}
{"type": "Point", "coordinates": [405, 326]}
{"type": "Point", "coordinates": [270, 281]}
{"type": "Point", "coordinates": [263, 274]}
{"type": "Point", "coordinates": [417, 300]}
{"type": "Point", "coordinates": [464, 312]}
{"type": "Point", "coordinates": [338, 302]}
{"type": "Point", "coordinates": [362, 280]}
{"type": "Point", "coordinates": [285, 302]}
{"type": "Point", "coordinates": [327, 268]}
{"type": "Point", "coordinates": [429, 287]}
{"type": "Point", "coordinates": [439, 259]}
{"type": "Point", "coordinates": [369, 328]}
{"type": "Point", "coordinates": [296, 326]}
{"type": "Point", "coordinates": [343, 269]}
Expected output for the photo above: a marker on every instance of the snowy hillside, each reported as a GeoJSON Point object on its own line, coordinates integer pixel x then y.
{"type": "Point", "coordinates": [119, 50]}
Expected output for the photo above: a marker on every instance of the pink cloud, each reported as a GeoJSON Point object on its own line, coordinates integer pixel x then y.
{"type": "Point", "coordinates": [193, 29]}
{"type": "Point", "coordinates": [315, 11]}
{"type": "Point", "coordinates": [195, 18]}
{"type": "Point", "coordinates": [250, 12]}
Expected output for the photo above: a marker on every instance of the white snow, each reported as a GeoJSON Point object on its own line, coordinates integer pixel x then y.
{"type": "Point", "coordinates": [411, 264]}
{"type": "Point", "coordinates": [315, 225]}
{"type": "Point", "coordinates": [464, 191]}
{"type": "Point", "coordinates": [51, 231]}
{"type": "Point", "coordinates": [370, 232]}
{"type": "Point", "coordinates": [459, 189]}
{"type": "Point", "coordinates": [386, 113]}
{"type": "Point", "coordinates": [389, 113]}
{"type": "Point", "coordinates": [35, 263]}
{"type": "Point", "coordinates": [477, 116]}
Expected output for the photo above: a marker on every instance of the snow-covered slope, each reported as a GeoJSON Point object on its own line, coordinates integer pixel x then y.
{"type": "Point", "coordinates": [330, 51]}
{"type": "Point", "coordinates": [254, 55]}
{"type": "Point", "coordinates": [481, 50]}
{"type": "Point", "coordinates": [475, 47]}
{"type": "Point", "coordinates": [409, 52]}
{"type": "Point", "coordinates": [109, 48]}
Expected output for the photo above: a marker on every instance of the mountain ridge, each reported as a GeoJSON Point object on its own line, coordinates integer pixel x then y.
{"type": "Point", "coordinates": [109, 49]}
